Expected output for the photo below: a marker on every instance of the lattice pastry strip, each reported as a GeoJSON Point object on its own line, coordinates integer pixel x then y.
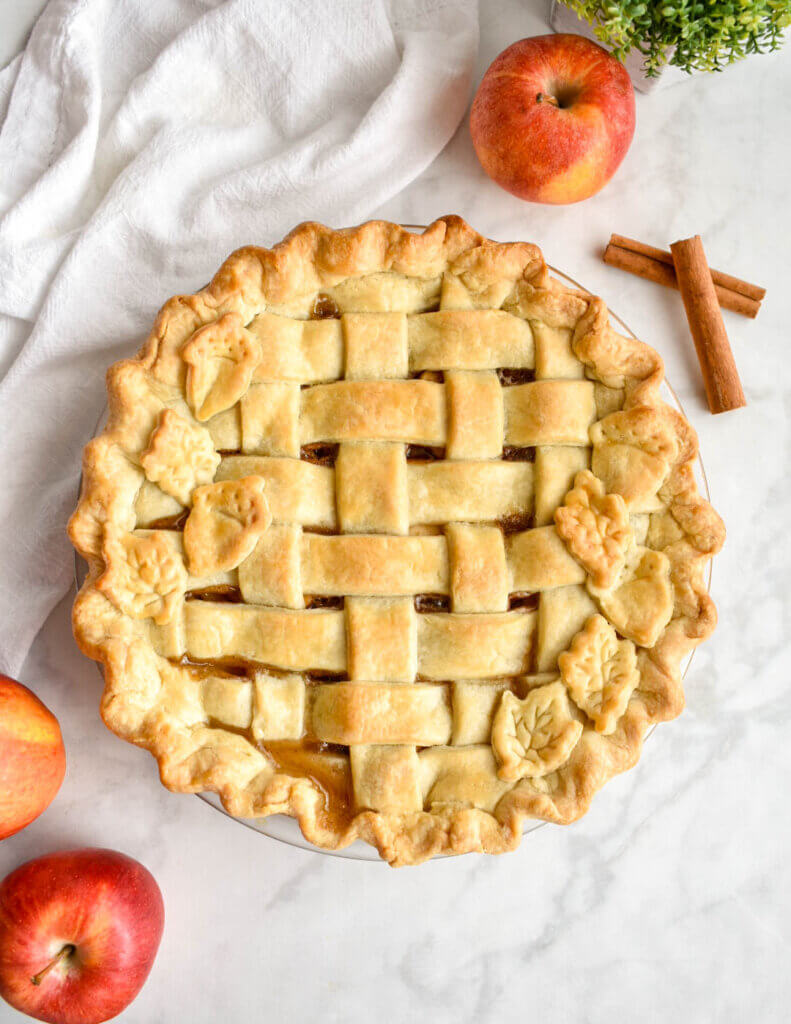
{"type": "Point", "coordinates": [269, 420]}
{"type": "Point", "coordinates": [449, 645]}
{"type": "Point", "coordinates": [371, 488]}
{"type": "Point", "coordinates": [388, 344]}
{"type": "Point", "coordinates": [475, 565]}
{"type": "Point", "coordinates": [476, 417]}
{"type": "Point", "coordinates": [360, 712]}
{"type": "Point", "coordinates": [473, 491]}
{"type": "Point", "coordinates": [414, 411]}
{"type": "Point", "coordinates": [479, 578]}
{"type": "Point", "coordinates": [382, 639]}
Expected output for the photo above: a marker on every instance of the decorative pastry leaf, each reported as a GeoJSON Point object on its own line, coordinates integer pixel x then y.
{"type": "Point", "coordinates": [600, 672]}
{"type": "Point", "coordinates": [641, 604]}
{"type": "Point", "coordinates": [225, 523]}
{"type": "Point", "coordinates": [221, 358]}
{"type": "Point", "coordinates": [633, 450]}
{"type": "Point", "coordinates": [145, 577]}
{"type": "Point", "coordinates": [596, 528]}
{"type": "Point", "coordinates": [180, 456]}
{"type": "Point", "coordinates": [534, 736]}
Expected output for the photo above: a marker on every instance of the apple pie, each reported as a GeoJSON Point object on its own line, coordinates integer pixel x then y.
{"type": "Point", "coordinates": [394, 534]}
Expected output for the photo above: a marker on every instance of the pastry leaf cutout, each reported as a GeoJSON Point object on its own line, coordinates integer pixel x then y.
{"type": "Point", "coordinates": [225, 523]}
{"type": "Point", "coordinates": [144, 576]}
{"type": "Point", "coordinates": [633, 451]}
{"type": "Point", "coordinates": [600, 672]}
{"type": "Point", "coordinates": [220, 358]}
{"type": "Point", "coordinates": [180, 456]}
{"type": "Point", "coordinates": [534, 736]}
{"type": "Point", "coordinates": [596, 528]}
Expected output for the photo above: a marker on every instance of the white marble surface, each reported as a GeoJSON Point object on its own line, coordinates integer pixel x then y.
{"type": "Point", "coordinates": [671, 900]}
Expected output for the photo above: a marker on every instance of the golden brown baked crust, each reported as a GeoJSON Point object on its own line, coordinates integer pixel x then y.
{"type": "Point", "coordinates": [464, 708]}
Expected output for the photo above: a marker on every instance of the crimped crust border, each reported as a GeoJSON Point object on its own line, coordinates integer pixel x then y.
{"type": "Point", "coordinates": [311, 259]}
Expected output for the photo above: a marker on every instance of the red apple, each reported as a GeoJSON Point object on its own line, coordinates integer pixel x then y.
{"type": "Point", "coordinates": [553, 118]}
{"type": "Point", "coordinates": [79, 931]}
{"type": "Point", "coordinates": [32, 758]}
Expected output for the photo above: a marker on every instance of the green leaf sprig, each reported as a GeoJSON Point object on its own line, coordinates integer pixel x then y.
{"type": "Point", "coordinates": [695, 35]}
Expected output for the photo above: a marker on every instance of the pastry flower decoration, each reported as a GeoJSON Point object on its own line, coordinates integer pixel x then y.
{"type": "Point", "coordinates": [596, 528]}
{"type": "Point", "coordinates": [145, 577]}
{"type": "Point", "coordinates": [600, 672]}
{"type": "Point", "coordinates": [534, 736]}
{"type": "Point", "coordinates": [180, 456]}
{"type": "Point", "coordinates": [225, 523]}
{"type": "Point", "coordinates": [220, 358]}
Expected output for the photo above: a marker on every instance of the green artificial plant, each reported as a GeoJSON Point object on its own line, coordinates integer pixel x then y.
{"type": "Point", "coordinates": [695, 35]}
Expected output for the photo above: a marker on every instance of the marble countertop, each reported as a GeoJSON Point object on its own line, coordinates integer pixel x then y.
{"type": "Point", "coordinates": [671, 900]}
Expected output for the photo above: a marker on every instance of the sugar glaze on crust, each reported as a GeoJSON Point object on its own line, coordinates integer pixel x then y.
{"type": "Point", "coordinates": [546, 757]}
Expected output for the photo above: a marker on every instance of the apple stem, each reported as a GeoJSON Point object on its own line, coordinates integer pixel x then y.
{"type": "Point", "coordinates": [543, 98]}
{"type": "Point", "coordinates": [67, 951]}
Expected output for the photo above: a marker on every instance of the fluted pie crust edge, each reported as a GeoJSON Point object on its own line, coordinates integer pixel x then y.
{"type": "Point", "coordinates": [139, 703]}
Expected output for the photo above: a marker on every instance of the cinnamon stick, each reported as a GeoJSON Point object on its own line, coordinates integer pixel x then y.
{"type": "Point", "coordinates": [720, 376]}
{"type": "Point", "coordinates": [657, 265]}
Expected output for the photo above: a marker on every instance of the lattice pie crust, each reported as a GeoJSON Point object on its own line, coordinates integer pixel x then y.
{"type": "Point", "coordinates": [392, 533]}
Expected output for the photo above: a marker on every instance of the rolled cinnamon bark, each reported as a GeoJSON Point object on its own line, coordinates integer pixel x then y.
{"type": "Point", "coordinates": [720, 376]}
{"type": "Point", "coordinates": [657, 265]}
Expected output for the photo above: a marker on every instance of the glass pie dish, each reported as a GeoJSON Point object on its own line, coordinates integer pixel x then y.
{"type": "Point", "coordinates": [286, 829]}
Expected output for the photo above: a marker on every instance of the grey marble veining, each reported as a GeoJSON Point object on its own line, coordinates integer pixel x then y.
{"type": "Point", "coordinates": [671, 900]}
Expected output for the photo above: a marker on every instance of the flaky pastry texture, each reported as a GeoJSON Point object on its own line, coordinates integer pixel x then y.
{"type": "Point", "coordinates": [465, 615]}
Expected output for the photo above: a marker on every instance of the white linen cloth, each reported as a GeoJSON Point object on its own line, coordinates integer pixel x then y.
{"type": "Point", "coordinates": [142, 143]}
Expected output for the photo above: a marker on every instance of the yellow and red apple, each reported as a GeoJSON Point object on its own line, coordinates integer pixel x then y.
{"type": "Point", "coordinates": [553, 118]}
{"type": "Point", "coordinates": [32, 758]}
{"type": "Point", "coordinates": [79, 932]}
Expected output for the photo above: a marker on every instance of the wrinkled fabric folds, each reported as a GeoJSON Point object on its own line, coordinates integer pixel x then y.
{"type": "Point", "coordinates": [141, 144]}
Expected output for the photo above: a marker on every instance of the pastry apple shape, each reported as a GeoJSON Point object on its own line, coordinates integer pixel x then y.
{"type": "Point", "coordinates": [553, 118]}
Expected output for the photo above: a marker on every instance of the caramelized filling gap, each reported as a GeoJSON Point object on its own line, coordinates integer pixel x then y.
{"type": "Point", "coordinates": [324, 308]}
{"type": "Point", "coordinates": [511, 377]}
{"type": "Point", "coordinates": [174, 522]}
{"type": "Point", "coordinates": [232, 666]}
{"type": "Point", "coordinates": [525, 601]}
{"type": "Point", "coordinates": [516, 522]}
{"type": "Point", "coordinates": [320, 454]}
{"type": "Point", "coordinates": [319, 601]}
{"type": "Point", "coordinates": [514, 454]}
{"type": "Point", "coordinates": [424, 453]}
{"type": "Point", "coordinates": [331, 774]}
{"type": "Point", "coordinates": [216, 723]}
{"type": "Point", "coordinates": [436, 376]}
{"type": "Point", "coordinates": [222, 592]}
{"type": "Point", "coordinates": [320, 675]}
{"type": "Point", "coordinates": [432, 603]}
{"type": "Point", "coordinates": [218, 667]}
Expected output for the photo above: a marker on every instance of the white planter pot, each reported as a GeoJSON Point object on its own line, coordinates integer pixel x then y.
{"type": "Point", "coordinates": [563, 19]}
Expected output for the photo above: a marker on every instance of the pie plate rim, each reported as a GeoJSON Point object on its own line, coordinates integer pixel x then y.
{"type": "Point", "coordinates": [286, 829]}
